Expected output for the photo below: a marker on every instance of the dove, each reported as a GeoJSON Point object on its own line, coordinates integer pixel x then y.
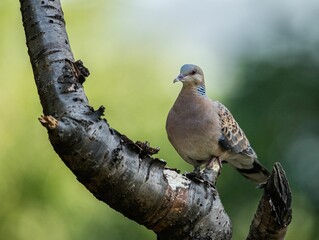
{"type": "Point", "coordinates": [201, 130]}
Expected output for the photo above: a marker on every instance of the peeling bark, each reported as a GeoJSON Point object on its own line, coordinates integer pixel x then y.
{"type": "Point", "coordinates": [114, 169]}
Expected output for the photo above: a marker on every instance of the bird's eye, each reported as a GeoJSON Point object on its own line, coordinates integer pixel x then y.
{"type": "Point", "coordinates": [193, 72]}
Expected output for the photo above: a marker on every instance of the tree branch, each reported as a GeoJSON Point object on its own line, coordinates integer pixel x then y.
{"type": "Point", "coordinates": [274, 211]}
{"type": "Point", "coordinates": [117, 171]}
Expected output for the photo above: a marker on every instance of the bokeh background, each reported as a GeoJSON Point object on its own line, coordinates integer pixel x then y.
{"type": "Point", "coordinates": [260, 59]}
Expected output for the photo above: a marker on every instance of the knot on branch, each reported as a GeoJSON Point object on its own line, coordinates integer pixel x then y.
{"type": "Point", "coordinates": [145, 149]}
{"type": "Point", "coordinates": [73, 73]}
{"type": "Point", "coordinates": [142, 148]}
{"type": "Point", "coordinates": [97, 113]}
{"type": "Point", "coordinates": [80, 71]}
{"type": "Point", "coordinates": [48, 121]}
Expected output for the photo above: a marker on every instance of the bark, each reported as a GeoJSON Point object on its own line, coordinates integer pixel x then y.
{"type": "Point", "coordinates": [113, 168]}
{"type": "Point", "coordinates": [274, 211]}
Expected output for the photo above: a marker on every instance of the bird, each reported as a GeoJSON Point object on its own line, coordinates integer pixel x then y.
{"type": "Point", "coordinates": [201, 129]}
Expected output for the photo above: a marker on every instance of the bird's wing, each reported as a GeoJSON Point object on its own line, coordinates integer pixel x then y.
{"type": "Point", "coordinates": [234, 140]}
{"type": "Point", "coordinates": [233, 137]}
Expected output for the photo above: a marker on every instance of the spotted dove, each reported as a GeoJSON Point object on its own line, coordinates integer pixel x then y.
{"type": "Point", "coordinates": [202, 130]}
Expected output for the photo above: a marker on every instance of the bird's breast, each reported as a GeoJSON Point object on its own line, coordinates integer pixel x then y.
{"type": "Point", "coordinates": [194, 130]}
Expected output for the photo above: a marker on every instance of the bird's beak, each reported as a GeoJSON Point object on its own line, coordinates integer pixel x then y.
{"type": "Point", "coordinates": [179, 78]}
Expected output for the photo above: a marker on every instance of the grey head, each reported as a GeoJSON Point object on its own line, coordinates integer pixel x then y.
{"type": "Point", "coordinates": [190, 75]}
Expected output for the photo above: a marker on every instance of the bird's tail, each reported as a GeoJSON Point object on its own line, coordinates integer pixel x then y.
{"type": "Point", "coordinates": [255, 172]}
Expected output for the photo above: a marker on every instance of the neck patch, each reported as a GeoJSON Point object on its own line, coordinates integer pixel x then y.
{"type": "Point", "coordinates": [201, 90]}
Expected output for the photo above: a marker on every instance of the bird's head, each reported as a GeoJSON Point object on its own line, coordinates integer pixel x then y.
{"type": "Point", "coordinates": [190, 75]}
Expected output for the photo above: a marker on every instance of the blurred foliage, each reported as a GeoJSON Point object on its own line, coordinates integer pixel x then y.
{"type": "Point", "coordinates": [275, 100]}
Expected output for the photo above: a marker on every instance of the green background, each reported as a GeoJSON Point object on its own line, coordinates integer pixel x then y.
{"type": "Point", "coordinates": [261, 60]}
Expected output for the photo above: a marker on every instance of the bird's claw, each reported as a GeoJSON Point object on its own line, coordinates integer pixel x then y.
{"type": "Point", "coordinates": [208, 176]}
{"type": "Point", "coordinates": [215, 164]}
{"type": "Point", "coordinates": [194, 176]}
{"type": "Point", "coordinates": [201, 177]}
{"type": "Point", "coordinates": [212, 171]}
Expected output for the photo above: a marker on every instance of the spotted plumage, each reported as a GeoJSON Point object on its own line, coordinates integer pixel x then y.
{"type": "Point", "coordinates": [233, 137]}
{"type": "Point", "coordinates": [201, 129]}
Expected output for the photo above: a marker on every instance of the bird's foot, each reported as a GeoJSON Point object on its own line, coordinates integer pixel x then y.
{"type": "Point", "coordinates": [195, 175]}
{"type": "Point", "coordinates": [212, 170]}
{"type": "Point", "coordinates": [215, 164]}
{"type": "Point", "coordinates": [202, 177]}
